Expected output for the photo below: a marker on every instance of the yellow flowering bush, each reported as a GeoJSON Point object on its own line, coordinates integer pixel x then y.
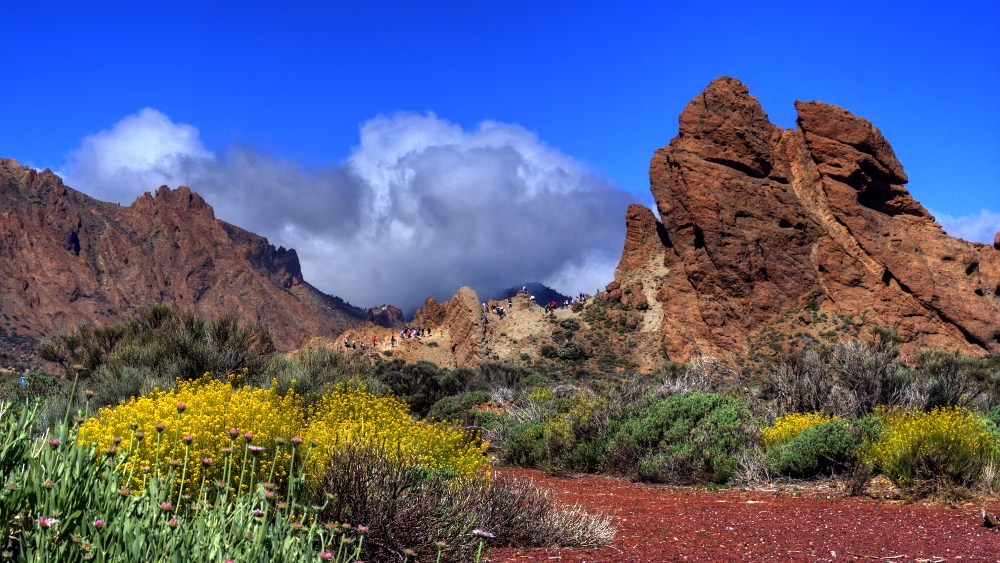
{"type": "Point", "coordinates": [207, 431]}
{"type": "Point", "coordinates": [351, 414]}
{"type": "Point", "coordinates": [788, 426]}
{"type": "Point", "coordinates": [926, 451]}
{"type": "Point", "coordinates": [219, 431]}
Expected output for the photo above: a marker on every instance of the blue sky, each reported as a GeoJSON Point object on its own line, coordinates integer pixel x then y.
{"type": "Point", "coordinates": [281, 95]}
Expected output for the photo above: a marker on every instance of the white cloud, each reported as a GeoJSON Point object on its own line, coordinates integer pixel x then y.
{"type": "Point", "coordinates": [982, 227]}
{"type": "Point", "coordinates": [420, 207]}
{"type": "Point", "coordinates": [140, 153]}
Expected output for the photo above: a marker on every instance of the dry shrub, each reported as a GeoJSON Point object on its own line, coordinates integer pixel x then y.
{"type": "Point", "coordinates": [521, 515]}
{"type": "Point", "coordinates": [407, 507]}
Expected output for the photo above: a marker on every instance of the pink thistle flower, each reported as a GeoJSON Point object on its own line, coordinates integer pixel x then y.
{"type": "Point", "coordinates": [166, 505]}
{"type": "Point", "coordinates": [279, 440]}
{"type": "Point", "coordinates": [48, 484]}
{"type": "Point", "coordinates": [54, 443]}
{"type": "Point", "coordinates": [248, 436]}
{"type": "Point", "coordinates": [117, 440]}
{"type": "Point", "coordinates": [89, 392]}
{"type": "Point", "coordinates": [140, 435]}
{"type": "Point", "coordinates": [160, 427]}
{"type": "Point", "coordinates": [133, 425]}
{"type": "Point", "coordinates": [296, 440]}
{"type": "Point", "coordinates": [207, 461]}
{"type": "Point", "coordinates": [362, 529]}
{"type": "Point", "coordinates": [257, 512]}
{"type": "Point", "coordinates": [256, 450]}
{"type": "Point", "coordinates": [47, 522]}
{"type": "Point", "coordinates": [98, 523]}
{"type": "Point", "coordinates": [482, 534]}
{"type": "Point", "coordinates": [234, 432]}
{"type": "Point", "coordinates": [124, 491]}
{"type": "Point", "coordinates": [187, 438]}
{"type": "Point", "coordinates": [181, 407]}
{"type": "Point", "coordinates": [325, 555]}
{"type": "Point", "coordinates": [172, 522]}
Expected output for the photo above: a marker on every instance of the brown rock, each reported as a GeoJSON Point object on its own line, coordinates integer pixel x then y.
{"type": "Point", "coordinates": [462, 317]}
{"type": "Point", "coordinates": [67, 258]}
{"type": "Point", "coordinates": [756, 220]}
{"type": "Point", "coordinates": [996, 241]}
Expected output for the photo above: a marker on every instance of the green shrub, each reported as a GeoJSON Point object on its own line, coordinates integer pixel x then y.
{"type": "Point", "coordinates": [829, 446]}
{"type": "Point", "coordinates": [527, 444]}
{"type": "Point", "coordinates": [694, 437]}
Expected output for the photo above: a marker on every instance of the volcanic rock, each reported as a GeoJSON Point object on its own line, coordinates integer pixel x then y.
{"type": "Point", "coordinates": [756, 220]}
{"type": "Point", "coordinates": [462, 316]}
{"type": "Point", "coordinates": [67, 257]}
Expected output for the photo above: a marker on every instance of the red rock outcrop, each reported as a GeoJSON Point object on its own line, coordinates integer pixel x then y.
{"type": "Point", "coordinates": [66, 257]}
{"type": "Point", "coordinates": [462, 317]}
{"type": "Point", "coordinates": [757, 220]}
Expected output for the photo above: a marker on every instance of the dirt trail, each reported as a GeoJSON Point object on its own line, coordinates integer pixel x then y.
{"type": "Point", "coordinates": [657, 523]}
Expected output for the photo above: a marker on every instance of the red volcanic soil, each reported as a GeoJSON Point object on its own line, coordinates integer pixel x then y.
{"type": "Point", "coordinates": [658, 523]}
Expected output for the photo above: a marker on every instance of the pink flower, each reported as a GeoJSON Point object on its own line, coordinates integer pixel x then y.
{"type": "Point", "coordinates": [187, 438]}
{"type": "Point", "coordinates": [47, 522]}
{"type": "Point", "coordinates": [296, 440]}
{"type": "Point", "coordinates": [325, 555]}
{"type": "Point", "coordinates": [54, 442]}
{"type": "Point", "coordinates": [160, 427]}
{"type": "Point", "coordinates": [482, 534]}
{"type": "Point", "coordinates": [248, 436]}
{"type": "Point", "coordinates": [256, 450]}
{"type": "Point", "coordinates": [181, 407]}
{"type": "Point", "coordinates": [172, 522]}
{"type": "Point", "coordinates": [166, 505]}
{"type": "Point", "coordinates": [98, 523]}
{"type": "Point", "coordinates": [362, 529]}
{"type": "Point", "coordinates": [206, 461]}
{"type": "Point", "coordinates": [234, 432]}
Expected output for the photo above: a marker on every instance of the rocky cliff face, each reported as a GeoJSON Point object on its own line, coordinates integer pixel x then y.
{"type": "Point", "coordinates": [66, 257]}
{"type": "Point", "coordinates": [757, 220]}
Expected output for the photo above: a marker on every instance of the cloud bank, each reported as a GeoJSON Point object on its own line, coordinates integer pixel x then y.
{"type": "Point", "coordinates": [976, 228]}
{"type": "Point", "coordinates": [419, 208]}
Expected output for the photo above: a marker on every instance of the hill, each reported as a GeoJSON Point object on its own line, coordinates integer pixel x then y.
{"type": "Point", "coordinates": [67, 257]}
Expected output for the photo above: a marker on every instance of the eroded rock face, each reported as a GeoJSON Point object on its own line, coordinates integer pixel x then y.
{"type": "Point", "coordinates": [463, 318]}
{"type": "Point", "coordinates": [66, 257]}
{"type": "Point", "coordinates": [757, 220]}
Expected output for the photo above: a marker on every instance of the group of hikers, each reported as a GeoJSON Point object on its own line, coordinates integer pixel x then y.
{"type": "Point", "coordinates": [405, 332]}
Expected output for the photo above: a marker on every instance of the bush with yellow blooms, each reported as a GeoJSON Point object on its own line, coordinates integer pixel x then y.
{"type": "Point", "coordinates": [788, 426]}
{"type": "Point", "coordinates": [208, 431]}
{"type": "Point", "coordinates": [933, 452]}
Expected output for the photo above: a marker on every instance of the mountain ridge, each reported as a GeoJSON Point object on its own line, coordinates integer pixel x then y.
{"type": "Point", "coordinates": [69, 258]}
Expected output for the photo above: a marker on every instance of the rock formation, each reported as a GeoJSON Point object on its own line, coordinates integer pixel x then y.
{"type": "Point", "coordinates": [757, 220]}
{"type": "Point", "coordinates": [465, 322]}
{"type": "Point", "coordinates": [67, 257]}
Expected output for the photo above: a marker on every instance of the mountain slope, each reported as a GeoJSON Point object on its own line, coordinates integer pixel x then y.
{"type": "Point", "coordinates": [66, 257]}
